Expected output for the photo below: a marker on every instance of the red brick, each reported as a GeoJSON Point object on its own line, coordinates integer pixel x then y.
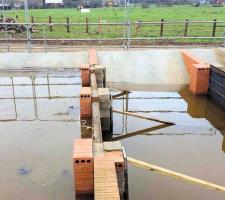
{"type": "Point", "coordinates": [189, 60]}
{"type": "Point", "coordinates": [83, 164]}
{"type": "Point", "coordinates": [85, 75]}
{"type": "Point", "coordinates": [84, 175]}
{"type": "Point", "coordinates": [198, 73]}
{"type": "Point", "coordinates": [85, 102]}
{"type": "Point", "coordinates": [92, 57]}
{"type": "Point", "coordinates": [199, 78]}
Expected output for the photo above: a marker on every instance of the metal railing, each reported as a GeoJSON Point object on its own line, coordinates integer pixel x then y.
{"type": "Point", "coordinates": [50, 83]}
{"type": "Point", "coordinates": [104, 34]}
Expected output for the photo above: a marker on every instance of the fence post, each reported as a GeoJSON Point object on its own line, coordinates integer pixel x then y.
{"type": "Point", "coordinates": [17, 18]}
{"type": "Point", "coordinates": [214, 28]}
{"type": "Point", "coordinates": [138, 26]}
{"type": "Point", "coordinates": [161, 27]}
{"type": "Point", "coordinates": [7, 37]}
{"type": "Point", "coordinates": [50, 23]}
{"type": "Point", "coordinates": [99, 25]}
{"type": "Point", "coordinates": [87, 28]}
{"type": "Point", "coordinates": [128, 34]}
{"type": "Point", "coordinates": [44, 37]}
{"type": "Point", "coordinates": [185, 27]}
{"type": "Point", "coordinates": [32, 19]}
{"type": "Point", "coordinates": [68, 24]}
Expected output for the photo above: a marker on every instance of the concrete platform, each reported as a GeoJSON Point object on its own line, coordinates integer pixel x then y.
{"type": "Point", "coordinates": [155, 66]}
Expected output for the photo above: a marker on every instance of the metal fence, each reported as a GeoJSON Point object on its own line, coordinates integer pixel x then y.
{"type": "Point", "coordinates": [104, 34]}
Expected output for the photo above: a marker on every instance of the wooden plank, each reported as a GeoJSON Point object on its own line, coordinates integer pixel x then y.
{"type": "Point", "coordinates": [143, 117]}
{"type": "Point", "coordinates": [174, 174]}
{"type": "Point", "coordinates": [105, 179]}
{"type": "Point", "coordinates": [124, 92]}
{"type": "Point", "coordinates": [147, 130]}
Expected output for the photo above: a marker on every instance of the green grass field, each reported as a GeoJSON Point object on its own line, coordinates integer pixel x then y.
{"type": "Point", "coordinates": [153, 13]}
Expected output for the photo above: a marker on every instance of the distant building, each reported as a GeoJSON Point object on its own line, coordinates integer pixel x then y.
{"type": "Point", "coordinates": [6, 5]}
{"type": "Point", "coordinates": [217, 3]}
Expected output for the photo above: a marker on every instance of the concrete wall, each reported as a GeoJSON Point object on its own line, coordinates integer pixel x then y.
{"type": "Point", "coordinates": [154, 66]}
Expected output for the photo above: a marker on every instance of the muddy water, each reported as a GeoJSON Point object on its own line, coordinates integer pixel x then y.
{"type": "Point", "coordinates": [38, 125]}
{"type": "Point", "coordinates": [194, 146]}
{"type": "Point", "coordinates": [37, 137]}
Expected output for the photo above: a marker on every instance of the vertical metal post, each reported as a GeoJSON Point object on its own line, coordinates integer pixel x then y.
{"type": "Point", "coordinates": [49, 91]}
{"type": "Point", "coordinates": [126, 185]}
{"type": "Point", "coordinates": [28, 27]}
{"type": "Point", "coordinates": [123, 121]}
{"type": "Point", "coordinates": [34, 97]}
{"type": "Point", "coordinates": [3, 9]}
{"type": "Point", "coordinates": [14, 97]}
{"type": "Point", "coordinates": [7, 41]}
{"type": "Point", "coordinates": [127, 28]}
{"type": "Point", "coordinates": [7, 37]}
{"type": "Point", "coordinates": [127, 99]}
{"type": "Point", "coordinates": [6, 28]}
{"type": "Point", "coordinates": [128, 34]}
{"type": "Point", "coordinates": [127, 107]}
{"type": "Point", "coordinates": [44, 37]}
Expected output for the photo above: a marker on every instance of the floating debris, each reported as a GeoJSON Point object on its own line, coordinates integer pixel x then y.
{"type": "Point", "coordinates": [23, 170]}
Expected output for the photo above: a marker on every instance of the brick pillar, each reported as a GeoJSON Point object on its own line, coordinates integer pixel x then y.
{"type": "Point", "coordinates": [85, 75]}
{"type": "Point", "coordinates": [92, 57]}
{"type": "Point", "coordinates": [83, 164]}
{"type": "Point", "coordinates": [189, 60]}
{"type": "Point", "coordinates": [199, 78]}
{"type": "Point", "coordinates": [85, 102]}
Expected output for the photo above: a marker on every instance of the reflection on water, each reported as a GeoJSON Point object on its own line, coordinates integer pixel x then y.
{"type": "Point", "coordinates": [27, 98]}
{"type": "Point", "coordinates": [198, 152]}
{"type": "Point", "coordinates": [39, 119]}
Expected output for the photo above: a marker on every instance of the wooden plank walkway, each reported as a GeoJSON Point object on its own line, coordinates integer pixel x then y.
{"type": "Point", "coordinates": [105, 179]}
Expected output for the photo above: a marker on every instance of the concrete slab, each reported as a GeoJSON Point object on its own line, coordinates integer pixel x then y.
{"type": "Point", "coordinates": [153, 66]}
{"type": "Point", "coordinates": [112, 146]}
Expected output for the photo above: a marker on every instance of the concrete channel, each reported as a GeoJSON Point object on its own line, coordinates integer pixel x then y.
{"type": "Point", "coordinates": [41, 116]}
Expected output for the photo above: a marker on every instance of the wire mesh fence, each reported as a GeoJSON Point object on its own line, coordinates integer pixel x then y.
{"type": "Point", "coordinates": [123, 34]}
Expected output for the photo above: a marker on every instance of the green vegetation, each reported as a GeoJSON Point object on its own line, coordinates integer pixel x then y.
{"type": "Point", "coordinates": [154, 13]}
{"type": "Point", "coordinates": [117, 14]}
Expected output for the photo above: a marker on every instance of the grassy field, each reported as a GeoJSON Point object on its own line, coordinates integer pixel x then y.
{"type": "Point", "coordinates": [153, 13]}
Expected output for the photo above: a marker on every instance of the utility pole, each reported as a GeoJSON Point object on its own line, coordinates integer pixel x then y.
{"type": "Point", "coordinates": [3, 10]}
{"type": "Point", "coordinates": [26, 13]}
{"type": "Point", "coordinates": [127, 23]}
{"type": "Point", "coordinates": [43, 3]}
